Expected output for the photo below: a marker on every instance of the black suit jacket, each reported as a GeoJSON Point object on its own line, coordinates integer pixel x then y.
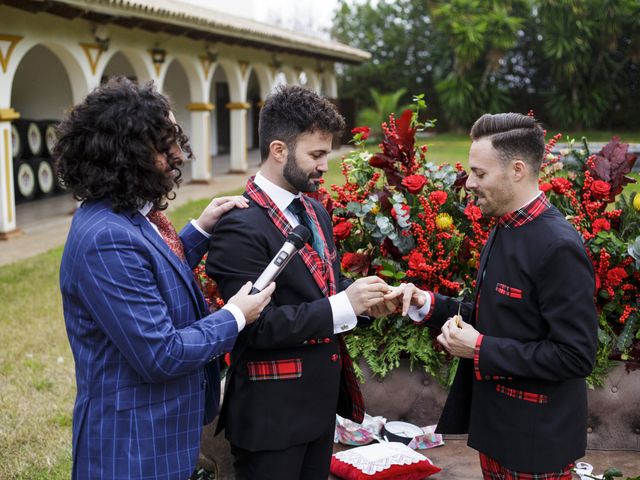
{"type": "Point", "coordinates": [273, 414]}
{"type": "Point", "coordinates": [528, 408]}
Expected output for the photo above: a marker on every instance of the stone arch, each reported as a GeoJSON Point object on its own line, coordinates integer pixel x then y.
{"type": "Point", "coordinates": [175, 82]}
{"type": "Point", "coordinates": [220, 95]}
{"type": "Point", "coordinates": [328, 85]}
{"type": "Point", "coordinates": [31, 92]}
{"type": "Point", "coordinates": [235, 80]}
{"type": "Point", "coordinates": [265, 77]}
{"type": "Point", "coordinates": [142, 66]}
{"type": "Point", "coordinates": [290, 74]}
{"type": "Point", "coordinates": [314, 82]}
{"type": "Point", "coordinates": [194, 76]}
{"type": "Point", "coordinates": [79, 78]}
{"type": "Point", "coordinates": [255, 101]}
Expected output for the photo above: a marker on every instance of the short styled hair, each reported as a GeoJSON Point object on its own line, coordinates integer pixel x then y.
{"type": "Point", "coordinates": [512, 135]}
{"type": "Point", "coordinates": [108, 144]}
{"type": "Point", "coordinates": [292, 110]}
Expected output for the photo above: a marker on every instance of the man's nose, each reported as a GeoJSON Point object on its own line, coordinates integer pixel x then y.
{"type": "Point", "coordinates": [470, 183]}
{"type": "Point", "coordinates": [323, 166]}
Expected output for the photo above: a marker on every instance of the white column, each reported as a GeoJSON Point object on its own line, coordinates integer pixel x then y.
{"type": "Point", "coordinates": [200, 138]}
{"type": "Point", "coordinates": [238, 110]}
{"type": "Point", "coordinates": [7, 195]}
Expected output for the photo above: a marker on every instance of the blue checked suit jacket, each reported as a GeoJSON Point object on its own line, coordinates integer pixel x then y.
{"type": "Point", "coordinates": [144, 347]}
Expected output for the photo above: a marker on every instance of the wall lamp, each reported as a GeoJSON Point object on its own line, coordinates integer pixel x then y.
{"type": "Point", "coordinates": [158, 55]}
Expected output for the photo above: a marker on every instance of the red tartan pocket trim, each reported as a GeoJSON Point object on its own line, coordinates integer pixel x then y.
{"type": "Point", "coordinates": [503, 289]}
{"type": "Point", "coordinates": [275, 370]}
{"type": "Point", "coordinates": [522, 395]}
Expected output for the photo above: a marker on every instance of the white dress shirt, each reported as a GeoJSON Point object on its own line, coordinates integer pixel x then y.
{"type": "Point", "coordinates": [233, 309]}
{"type": "Point", "coordinates": [344, 318]}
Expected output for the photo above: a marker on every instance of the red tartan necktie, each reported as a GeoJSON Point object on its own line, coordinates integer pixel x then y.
{"type": "Point", "coordinates": [167, 232]}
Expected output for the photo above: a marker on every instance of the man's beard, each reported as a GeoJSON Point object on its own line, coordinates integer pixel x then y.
{"type": "Point", "coordinates": [296, 177]}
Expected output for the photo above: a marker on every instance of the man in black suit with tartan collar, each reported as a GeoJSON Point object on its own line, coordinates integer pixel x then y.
{"type": "Point", "coordinates": [290, 371]}
{"type": "Point", "coordinates": [528, 340]}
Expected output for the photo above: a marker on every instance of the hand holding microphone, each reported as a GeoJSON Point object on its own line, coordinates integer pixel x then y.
{"type": "Point", "coordinates": [294, 242]}
{"type": "Point", "coordinates": [252, 299]}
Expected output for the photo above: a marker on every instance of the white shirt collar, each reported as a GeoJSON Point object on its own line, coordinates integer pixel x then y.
{"type": "Point", "coordinates": [281, 197]}
{"type": "Point", "coordinates": [146, 209]}
{"type": "Point", "coordinates": [530, 200]}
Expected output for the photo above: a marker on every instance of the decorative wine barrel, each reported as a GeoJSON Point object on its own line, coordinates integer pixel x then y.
{"type": "Point", "coordinates": [30, 138]}
{"type": "Point", "coordinates": [46, 181]}
{"type": "Point", "coordinates": [16, 142]}
{"type": "Point", "coordinates": [24, 180]}
{"type": "Point", "coordinates": [48, 129]}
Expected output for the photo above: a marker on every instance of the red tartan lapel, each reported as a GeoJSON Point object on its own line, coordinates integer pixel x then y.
{"type": "Point", "coordinates": [329, 276]}
{"type": "Point", "coordinates": [311, 259]}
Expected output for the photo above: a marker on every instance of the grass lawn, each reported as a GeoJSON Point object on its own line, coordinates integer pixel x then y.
{"type": "Point", "coordinates": [37, 386]}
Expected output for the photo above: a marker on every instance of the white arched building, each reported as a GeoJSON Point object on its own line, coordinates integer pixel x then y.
{"type": "Point", "coordinates": [217, 68]}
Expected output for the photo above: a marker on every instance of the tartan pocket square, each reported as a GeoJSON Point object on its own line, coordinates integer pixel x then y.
{"type": "Point", "coordinates": [512, 292]}
{"type": "Point", "coordinates": [275, 370]}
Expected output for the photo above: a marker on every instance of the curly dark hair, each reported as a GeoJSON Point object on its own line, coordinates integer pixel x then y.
{"type": "Point", "coordinates": [108, 144]}
{"type": "Point", "coordinates": [292, 110]}
{"type": "Point", "coordinates": [512, 135]}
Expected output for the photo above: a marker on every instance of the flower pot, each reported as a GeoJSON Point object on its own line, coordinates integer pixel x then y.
{"type": "Point", "coordinates": [413, 396]}
{"type": "Point", "coordinates": [614, 413]}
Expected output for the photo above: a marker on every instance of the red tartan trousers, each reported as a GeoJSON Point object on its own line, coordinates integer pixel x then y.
{"type": "Point", "coordinates": [492, 470]}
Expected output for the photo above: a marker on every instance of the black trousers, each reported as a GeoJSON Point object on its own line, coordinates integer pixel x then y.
{"type": "Point", "coordinates": [308, 461]}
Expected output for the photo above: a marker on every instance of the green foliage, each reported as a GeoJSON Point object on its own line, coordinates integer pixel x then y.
{"type": "Point", "coordinates": [390, 339]}
{"type": "Point", "coordinates": [384, 105]}
{"type": "Point", "coordinates": [575, 62]}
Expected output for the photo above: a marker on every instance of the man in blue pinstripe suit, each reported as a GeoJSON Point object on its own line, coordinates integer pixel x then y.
{"type": "Point", "coordinates": [144, 344]}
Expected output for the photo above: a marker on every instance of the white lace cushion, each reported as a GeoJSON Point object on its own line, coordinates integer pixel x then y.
{"type": "Point", "coordinates": [380, 456]}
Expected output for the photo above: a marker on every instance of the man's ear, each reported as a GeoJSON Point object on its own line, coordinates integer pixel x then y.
{"type": "Point", "coordinates": [519, 170]}
{"type": "Point", "coordinates": [278, 151]}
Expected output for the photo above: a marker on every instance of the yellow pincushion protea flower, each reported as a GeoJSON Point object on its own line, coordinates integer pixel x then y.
{"type": "Point", "coordinates": [444, 221]}
{"type": "Point", "coordinates": [636, 202]}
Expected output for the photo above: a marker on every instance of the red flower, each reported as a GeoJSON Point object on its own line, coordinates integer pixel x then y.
{"type": "Point", "coordinates": [600, 224]}
{"type": "Point", "coordinates": [473, 212]}
{"type": "Point", "coordinates": [600, 189]}
{"type": "Point", "coordinates": [545, 187]}
{"type": "Point", "coordinates": [616, 275]}
{"type": "Point", "coordinates": [414, 183]}
{"type": "Point", "coordinates": [342, 229]}
{"type": "Point", "coordinates": [439, 197]}
{"type": "Point", "coordinates": [416, 261]}
{"type": "Point", "coordinates": [356, 263]}
{"type": "Point", "coordinates": [560, 185]}
{"type": "Point", "coordinates": [405, 208]}
{"type": "Point", "coordinates": [363, 131]}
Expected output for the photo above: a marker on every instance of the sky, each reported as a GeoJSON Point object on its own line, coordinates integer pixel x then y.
{"type": "Point", "coordinates": [308, 16]}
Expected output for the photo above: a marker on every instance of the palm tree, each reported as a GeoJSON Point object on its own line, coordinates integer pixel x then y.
{"type": "Point", "coordinates": [384, 105]}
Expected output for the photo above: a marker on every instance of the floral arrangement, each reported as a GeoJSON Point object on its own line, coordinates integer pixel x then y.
{"type": "Point", "coordinates": [588, 189]}
{"type": "Point", "coordinates": [401, 217]}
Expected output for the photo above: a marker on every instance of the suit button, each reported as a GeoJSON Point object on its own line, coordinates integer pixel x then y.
{"type": "Point", "coordinates": [327, 340]}
{"type": "Point", "coordinates": [589, 430]}
{"type": "Point", "coordinates": [334, 357]}
{"type": "Point", "coordinates": [204, 384]}
{"type": "Point", "coordinates": [312, 341]}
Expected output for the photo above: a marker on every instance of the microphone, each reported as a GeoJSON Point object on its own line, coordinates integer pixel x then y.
{"type": "Point", "coordinates": [294, 242]}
